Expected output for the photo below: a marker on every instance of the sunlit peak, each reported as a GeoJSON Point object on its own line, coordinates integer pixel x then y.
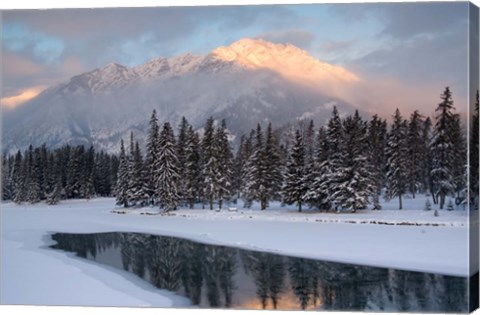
{"type": "Point", "coordinates": [286, 59]}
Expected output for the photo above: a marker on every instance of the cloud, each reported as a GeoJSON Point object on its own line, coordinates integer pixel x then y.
{"type": "Point", "coordinates": [404, 20]}
{"type": "Point", "coordinates": [335, 46]}
{"type": "Point", "coordinates": [21, 73]}
{"type": "Point", "coordinates": [300, 38]}
{"type": "Point", "coordinates": [19, 38]}
{"type": "Point", "coordinates": [21, 97]}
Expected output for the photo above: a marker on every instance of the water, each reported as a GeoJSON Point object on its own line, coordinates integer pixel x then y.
{"type": "Point", "coordinates": [224, 277]}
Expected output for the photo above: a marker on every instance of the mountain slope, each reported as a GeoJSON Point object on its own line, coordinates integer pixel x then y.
{"type": "Point", "coordinates": [248, 82]}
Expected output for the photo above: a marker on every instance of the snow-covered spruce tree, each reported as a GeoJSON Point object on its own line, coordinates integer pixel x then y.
{"type": "Point", "coordinates": [6, 178]}
{"type": "Point", "coordinates": [427, 172]}
{"type": "Point", "coordinates": [210, 162]}
{"type": "Point", "coordinates": [377, 137]}
{"type": "Point", "coordinates": [167, 171]}
{"type": "Point", "coordinates": [238, 163]}
{"type": "Point", "coordinates": [460, 155]}
{"type": "Point", "coordinates": [192, 167]}
{"type": "Point", "coordinates": [225, 164]}
{"type": "Point", "coordinates": [397, 159]}
{"type": "Point", "coordinates": [333, 169]}
{"type": "Point", "coordinates": [294, 189]}
{"type": "Point", "coordinates": [122, 178]}
{"type": "Point", "coordinates": [247, 151]}
{"type": "Point", "coordinates": [474, 147]}
{"type": "Point", "coordinates": [103, 176]}
{"type": "Point", "coordinates": [263, 178]}
{"type": "Point", "coordinates": [443, 148]}
{"type": "Point", "coordinates": [137, 188]}
{"type": "Point", "coordinates": [19, 174]}
{"type": "Point", "coordinates": [255, 171]}
{"type": "Point", "coordinates": [309, 140]}
{"type": "Point", "coordinates": [416, 154]}
{"type": "Point", "coordinates": [33, 181]}
{"type": "Point", "coordinates": [316, 194]}
{"type": "Point", "coordinates": [273, 167]}
{"type": "Point", "coordinates": [88, 188]}
{"type": "Point", "coordinates": [181, 146]}
{"type": "Point", "coordinates": [354, 181]}
{"type": "Point", "coordinates": [54, 196]}
{"type": "Point", "coordinates": [75, 172]}
{"type": "Point", "coordinates": [151, 157]}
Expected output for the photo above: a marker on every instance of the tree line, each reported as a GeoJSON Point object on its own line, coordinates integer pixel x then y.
{"type": "Point", "coordinates": [347, 164]}
{"type": "Point", "coordinates": [69, 172]}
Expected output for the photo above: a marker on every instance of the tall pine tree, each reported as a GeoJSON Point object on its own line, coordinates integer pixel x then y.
{"type": "Point", "coordinates": [416, 153]}
{"type": "Point", "coordinates": [474, 148]}
{"type": "Point", "coordinates": [443, 148]}
{"type": "Point", "coordinates": [377, 138]}
{"type": "Point", "coordinates": [152, 156]}
{"type": "Point", "coordinates": [167, 170]}
{"type": "Point", "coordinates": [122, 178]}
{"type": "Point", "coordinates": [397, 159]}
{"type": "Point", "coordinates": [294, 189]}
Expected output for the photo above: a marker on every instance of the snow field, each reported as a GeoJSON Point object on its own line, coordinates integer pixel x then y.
{"type": "Point", "coordinates": [35, 274]}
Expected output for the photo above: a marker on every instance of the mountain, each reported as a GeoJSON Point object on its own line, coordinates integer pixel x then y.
{"type": "Point", "coordinates": [247, 82]}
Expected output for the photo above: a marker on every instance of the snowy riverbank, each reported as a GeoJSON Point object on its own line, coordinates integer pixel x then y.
{"type": "Point", "coordinates": [35, 274]}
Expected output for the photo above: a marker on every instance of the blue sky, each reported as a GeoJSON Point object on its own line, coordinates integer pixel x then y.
{"type": "Point", "coordinates": [410, 43]}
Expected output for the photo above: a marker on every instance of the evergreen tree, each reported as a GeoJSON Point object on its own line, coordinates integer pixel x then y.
{"type": "Point", "coordinates": [122, 178]}
{"type": "Point", "coordinates": [238, 162]}
{"type": "Point", "coordinates": [225, 167]}
{"type": "Point", "coordinates": [247, 150]}
{"type": "Point", "coordinates": [309, 140]}
{"type": "Point", "coordinates": [6, 178]}
{"type": "Point", "coordinates": [75, 178]}
{"type": "Point", "coordinates": [88, 189]}
{"type": "Point", "coordinates": [33, 181]}
{"type": "Point", "coordinates": [416, 153]}
{"type": "Point", "coordinates": [427, 172]}
{"type": "Point", "coordinates": [443, 148]}
{"type": "Point", "coordinates": [167, 170]}
{"type": "Point", "coordinates": [210, 162]}
{"type": "Point", "coordinates": [263, 177]}
{"type": "Point", "coordinates": [460, 155]}
{"type": "Point", "coordinates": [354, 179]}
{"type": "Point", "coordinates": [397, 159]}
{"type": "Point", "coordinates": [294, 189]}
{"type": "Point", "coordinates": [192, 167]}
{"type": "Point", "coordinates": [151, 156]}
{"type": "Point", "coordinates": [255, 172]}
{"type": "Point", "coordinates": [377, 137]}
{"type": "Point", "coordinates": [137, 188]}
{"type": "Point", "coordinates": [54, 196]}
{"type": "Point", "coordinates": [273, 167]}
{"type": "Point", "coordinates": [333, 169]}
{"type": "Point", "coordinates": [317, 194]}
{"type": "Point", "coordinates": [474, 149]}
{"type": "Point", "coordinates": [181, 148]}
{"type": "Point", "coordinates": [19, 178]}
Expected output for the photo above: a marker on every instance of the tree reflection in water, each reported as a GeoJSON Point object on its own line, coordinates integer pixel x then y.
{"type": "Point", "coordinates": [219, 276]}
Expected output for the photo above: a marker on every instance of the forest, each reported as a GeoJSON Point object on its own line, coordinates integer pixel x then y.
{"type": "Point", "coordinates": [348, 164]}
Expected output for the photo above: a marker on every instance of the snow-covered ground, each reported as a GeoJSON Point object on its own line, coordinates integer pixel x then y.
{"type": "Point", "coordinates": [34, 274]}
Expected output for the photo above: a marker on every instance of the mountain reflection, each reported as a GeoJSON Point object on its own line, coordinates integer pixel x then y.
{"type": "Point", "coordinates": [218, 276]}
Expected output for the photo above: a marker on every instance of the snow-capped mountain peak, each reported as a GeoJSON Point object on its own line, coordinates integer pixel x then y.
{"type": "Point", "coordinates": [249, 77]}
{"type": "Point", "coordinates": [286, 59]}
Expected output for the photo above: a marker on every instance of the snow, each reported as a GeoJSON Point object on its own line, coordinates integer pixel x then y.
{"type": "Point", "coordinates": [34, 274]}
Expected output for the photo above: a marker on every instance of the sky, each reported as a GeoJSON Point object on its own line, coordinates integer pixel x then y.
{"type": "Point", "coordinates": [402, 48]}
